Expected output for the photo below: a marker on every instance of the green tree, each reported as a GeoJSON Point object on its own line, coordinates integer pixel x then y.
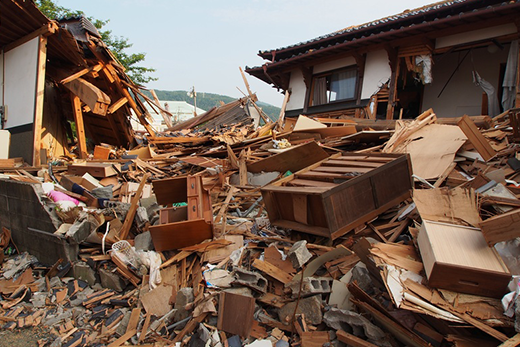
{"type": "Point", "coordinates": [118, 45]}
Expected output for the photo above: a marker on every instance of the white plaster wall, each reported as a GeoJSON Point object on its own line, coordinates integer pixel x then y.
{"type": "Point", "coordinates": [461, 96]}
{"type": "Point", "coordinates": [333, 65]}
{"type": "Point", "coordinates": [476, 35]}
{"type": "Point", "coordinates": [20, 83]}
{"type": "Point", "coordinates": [377, 72]}
{"type": "Point", "coordinates": [297, 85]}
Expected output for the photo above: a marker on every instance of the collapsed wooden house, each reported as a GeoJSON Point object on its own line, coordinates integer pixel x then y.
{"type": "Point", "coordinates": [56, 72]}
{"type": "Point", "coordinates": [457, 57]}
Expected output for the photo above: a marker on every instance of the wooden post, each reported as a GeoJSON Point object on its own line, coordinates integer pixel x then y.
{"type": "Point", "coordinates": [282, 110]}
{"type": "Point", "coordinates": [134, 204]}
{"type": "Point", "coordinates": [38, 105]}
{"type": "Point", "coordinates": [517, 101]}
{"type": "Point", "coordinates": [393, 60]}
{"type": "Point", "coordinates": [80, 128]}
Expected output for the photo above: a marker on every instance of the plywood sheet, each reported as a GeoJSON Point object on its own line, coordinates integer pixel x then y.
{"type": "Point", "coordinates": [455, 206]}
{"type": "Point", "coordinates": [432, 149]}
{"type": "Point", "coordinates": [235, 314]}
{"type": "Point", "coordinates": [157, 301]}
{"type": "Point", "coordinates": [305, 123]}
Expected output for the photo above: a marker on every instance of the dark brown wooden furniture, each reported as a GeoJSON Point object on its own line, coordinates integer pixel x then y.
{"type": "Point", "coordinates": [340, 193]}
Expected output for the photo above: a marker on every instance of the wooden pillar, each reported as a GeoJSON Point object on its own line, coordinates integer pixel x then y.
{"type": "Point", "coordinates": [517, 101]}
{"type": "Point", "coordinates": [80, 128]}
{"type": "Point", "coordinates": [38, 105]}
{"type": "Point", "coordinates": [307, 79]}
{"type": "Point", "coordinates": [393, 60]}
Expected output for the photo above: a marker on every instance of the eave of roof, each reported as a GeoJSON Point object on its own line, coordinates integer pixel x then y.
{"type": "Point", "coordinates": [396, 22]}
{"type": "Point", "coordinates": [353, 42]}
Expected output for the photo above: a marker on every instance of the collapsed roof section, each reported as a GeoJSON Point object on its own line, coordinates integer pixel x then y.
{"type": "Point", "coordinates": [77, 79]}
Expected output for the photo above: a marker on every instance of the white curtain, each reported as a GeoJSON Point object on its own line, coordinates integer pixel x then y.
{"type": "Point", "coordinates": [343, 85]}
{"type": "Point", "coordinates": [509, 84]}
{"type": "Point", "coordinates": [493, 106]}
{"type": "Point", "coordinates": [320, 91]}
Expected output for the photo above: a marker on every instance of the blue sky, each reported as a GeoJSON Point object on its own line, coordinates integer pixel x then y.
{"type": "Point", "coordinates": [202, 43]}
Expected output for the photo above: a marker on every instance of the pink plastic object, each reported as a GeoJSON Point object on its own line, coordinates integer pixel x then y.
{"type": "Point", "coordinates": [59, 196]}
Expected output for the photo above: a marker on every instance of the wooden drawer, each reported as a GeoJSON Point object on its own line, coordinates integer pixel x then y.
{"type": "Point", "coordinates": [458, 258]}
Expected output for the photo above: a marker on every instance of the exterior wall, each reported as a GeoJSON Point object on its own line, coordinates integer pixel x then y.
{"type": "Point", "coordinates": [377, 72]}
{"type": "Point", "coordinates": [19, 76]}
{"type": "Point", "coordinates": [333, 65]}
{"type": "Point", "coordinates": [461, 96]}
{"type": "Point", "coordinates": [475, 35]}
{"type": "Point", "coordinates": [298, 89]}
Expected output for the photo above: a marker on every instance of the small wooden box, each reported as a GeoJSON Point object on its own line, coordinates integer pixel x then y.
{"type": "Point", "coordinates": [95, 169]}
{"type": "Point", "coordinates": [458, 258]}
{"type": "Point", "coordinates": [185, 225]}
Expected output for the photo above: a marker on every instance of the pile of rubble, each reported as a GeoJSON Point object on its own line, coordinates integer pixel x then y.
{"type": "Point", "coordinates": [293, 233]}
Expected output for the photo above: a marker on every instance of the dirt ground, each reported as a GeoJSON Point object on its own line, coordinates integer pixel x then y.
{"type": "Point", "coordinates": [27, 337]}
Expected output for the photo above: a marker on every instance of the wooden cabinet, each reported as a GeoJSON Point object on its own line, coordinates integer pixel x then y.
{"type": "Point", "coordinates": [338, 194]}
{"type": "Point", "coordinates": [182, 226]}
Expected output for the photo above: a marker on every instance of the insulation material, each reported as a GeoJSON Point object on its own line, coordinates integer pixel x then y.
{"type": "Point", "coordinates": [423, 67]}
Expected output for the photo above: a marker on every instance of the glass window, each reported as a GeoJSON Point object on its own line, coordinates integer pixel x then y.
{"type": "Point", "coordinates": [338, 85]}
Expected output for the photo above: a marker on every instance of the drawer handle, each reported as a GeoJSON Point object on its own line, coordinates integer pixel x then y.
{"type": "Point", "coordinates": [469, 283]}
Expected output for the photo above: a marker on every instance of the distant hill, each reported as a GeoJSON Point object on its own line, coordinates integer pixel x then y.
{"type": "Point", "coordinates": [209, 100]}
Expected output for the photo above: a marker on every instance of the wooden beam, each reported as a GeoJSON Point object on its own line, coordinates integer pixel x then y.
{"type": "Point", "coordinates": [512, 342]}
{"type": "Point", "coordinates": [117, 105]}
{"type": "Point", "coordinates": [166, 117]}
{"type": "Point", "coordinates": [281, 117]}
{"type": "Point", "coordinates": [476, 138]}
{"type": "Point", "coordinates": [251, 95]}
{"type": "Point", "coordinates": [360, 62]}
{"type": "Point", "coordinates": [91, 95]}
{"type": "Point", "coordinates": [39, 95]}
{"type": "Point", "coordinates": [44, 31]}
{"type": "Point", "coordinates": [352, 340]}
{"type": "Point", "coordinates": [81, 73]}
{"type": "Point", "coordinates": [125, 229]}
{"type": "Point", "coordinates": [393, 60]}
{"type": "Point", "coordinates": [80, 127]}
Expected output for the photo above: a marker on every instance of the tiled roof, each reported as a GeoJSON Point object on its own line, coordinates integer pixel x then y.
{"type": "Point", "coordinates": [407, 19]}
{"type": "Point", "coordinates": [386, 20]}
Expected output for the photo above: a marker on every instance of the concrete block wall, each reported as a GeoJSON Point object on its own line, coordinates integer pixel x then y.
{"type": "Point", "coordinates": [32, 224]}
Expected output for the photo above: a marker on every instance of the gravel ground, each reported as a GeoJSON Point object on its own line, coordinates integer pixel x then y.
{"type": "Point", "coordinates": [27, 337]}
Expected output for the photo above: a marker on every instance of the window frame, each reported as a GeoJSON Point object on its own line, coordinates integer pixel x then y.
{"type": "Point", "coordinates": [315, 77]}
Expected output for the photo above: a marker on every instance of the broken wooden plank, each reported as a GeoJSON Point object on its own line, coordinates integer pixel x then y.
{"type": "Point", "coordinates": [89, 94]}
{"type": "Point", "coordinates": [502, 227]}
{"type": "Point", "coordinates": [512, 342]}
{"type": "Point", "coordinates": [235, 314]}
{"type": "Point", "coordinates": [352, 340]}
{"type": "Point", "coordinates": [272, 271]}
{"type": "Point", "coordinates": [80, 128]}
{"type": "Point", "coordinates": [125, 229]}
{"type": "Point", "coordinates": [478, 140]}
{"type": "Point", "coordinates": [125, 337]}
